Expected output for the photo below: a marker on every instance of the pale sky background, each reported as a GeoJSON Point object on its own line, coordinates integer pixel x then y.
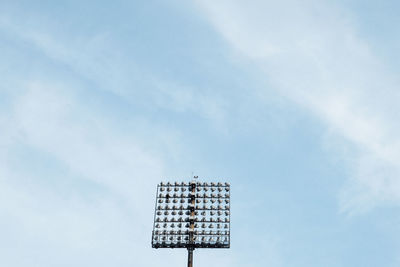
{"type": "Point", "coordinates": [295, 103]}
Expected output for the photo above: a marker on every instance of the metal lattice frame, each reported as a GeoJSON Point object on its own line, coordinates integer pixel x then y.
{"type": "Point", "coordinates": [192, 215]}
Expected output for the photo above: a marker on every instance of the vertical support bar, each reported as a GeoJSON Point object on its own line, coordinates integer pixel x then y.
{"type": "Point", "coordinates": [190, 257]}
{"type": "Point", "coordinates": [191, 229]}
{"type": "Point", "coordinates": [154, 220]}
{"type": "Point", "coordinates": [229, 225]}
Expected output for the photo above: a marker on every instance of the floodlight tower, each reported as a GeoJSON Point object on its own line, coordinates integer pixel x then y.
{"type": "Point", "coordinates": [192, 215]}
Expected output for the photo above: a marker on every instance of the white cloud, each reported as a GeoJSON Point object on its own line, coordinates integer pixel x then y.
{"type": "Point", "coordinates": [103, 61]}
{"type": "Point", "coordinates": [310, 51]}
{"type": "Point", "coordinates": [91, 190]}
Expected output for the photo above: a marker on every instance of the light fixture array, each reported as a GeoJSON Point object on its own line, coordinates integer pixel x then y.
{"type": "Point", "coordinates": [192, 215]}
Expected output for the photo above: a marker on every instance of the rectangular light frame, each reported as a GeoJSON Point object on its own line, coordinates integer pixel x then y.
{"type": "Point", "coordinates": [192, 215]}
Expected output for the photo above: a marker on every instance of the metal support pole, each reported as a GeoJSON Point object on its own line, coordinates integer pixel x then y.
{"type": "Point", "coordinates": [191, 231]}
{"type": "Point", "coordinates": [190, 257]}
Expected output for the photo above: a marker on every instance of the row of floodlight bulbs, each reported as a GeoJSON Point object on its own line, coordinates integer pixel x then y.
{"type": "Point", "coordinates": [203, 225]}
{"type": "Point", "coordinates": [196, 213]}
{"type": "Point", "coordinates": [197, 184]}
{"type": "Point", "coordinates": [198, 189]}
{"type": "Point", "coordinates": [186, 238]}
{"type": "Point", "coordinates": [180, 219]}
{"type": "Point", "coordinates": [182, 207]}
{"type": "Point", "coordinates": [182, 195]}
{"type": "Point", "coordinates": [186, 232]}
{"type": "Point", "coordinates": [198, 201]}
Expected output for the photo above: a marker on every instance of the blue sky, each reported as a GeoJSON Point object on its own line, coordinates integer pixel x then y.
{"type": "Point", "coordinates": [294, 103]}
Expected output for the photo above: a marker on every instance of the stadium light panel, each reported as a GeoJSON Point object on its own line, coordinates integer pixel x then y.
{"type": "Point", "coordinates": [196, 221]}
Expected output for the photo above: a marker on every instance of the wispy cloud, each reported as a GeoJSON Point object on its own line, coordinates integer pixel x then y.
{"type": "Point", "coordinates": [88, 176]}
{"type": "Point", "coordinates": [312, 54]}
{"type": "Point", "coordinates": [119, 74]}
{"type": "Point", "coordinates": [86, 185]}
